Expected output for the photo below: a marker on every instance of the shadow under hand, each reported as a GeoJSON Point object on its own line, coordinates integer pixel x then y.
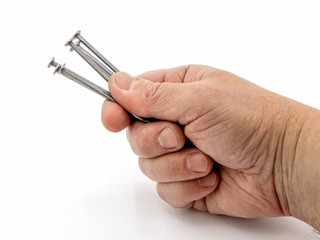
{"type": "Point", "coordinates": [156, 220]}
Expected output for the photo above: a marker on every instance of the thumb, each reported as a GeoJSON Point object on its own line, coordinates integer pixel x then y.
{"type": "Point", "coordinates": [160, 100]}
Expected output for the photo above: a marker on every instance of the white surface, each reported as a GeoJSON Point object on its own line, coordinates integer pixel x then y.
{"type": "Point", "coordinates": [62, 176]}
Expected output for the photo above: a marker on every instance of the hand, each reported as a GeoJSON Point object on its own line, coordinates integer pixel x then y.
{"type": "Point", "coordinates": [247, 132]}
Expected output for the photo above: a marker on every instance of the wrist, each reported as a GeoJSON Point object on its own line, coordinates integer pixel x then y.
{"type": "Point", "coordinates": [297, 168]}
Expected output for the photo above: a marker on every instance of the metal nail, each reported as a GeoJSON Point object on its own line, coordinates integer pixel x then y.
{"type": "Point", "coordinates": [95, 52]}
{"type": "Point", "coordinates": [89, 60]}
{"type": "Point", "coordinates": [102, 65]}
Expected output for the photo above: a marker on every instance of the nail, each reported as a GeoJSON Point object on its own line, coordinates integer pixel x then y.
{"type": "Point", "coordinates": [197, 163]}
{"type": "Point", "coordinates": [125, 81]}
{"type": "Point", "coordinates": [167, 139]}
{"type": "Point", "coordinates": [208, 181]}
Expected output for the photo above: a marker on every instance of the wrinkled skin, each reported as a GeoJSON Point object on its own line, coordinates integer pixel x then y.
{"type": "Point", "coordinates": [237, 127]}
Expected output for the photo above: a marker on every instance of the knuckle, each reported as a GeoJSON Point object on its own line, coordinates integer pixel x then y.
{"type": "Point", "coordinates": [160, 191]}
{"type": "Point", "coordinates": [170, 169]}
{"type": "Point", "coordinates": [213, 206]}
{"type": "Point", "coordinates": [147, 169]}
{"type": "Point", "coordinates": [159, 173]}
{"type": "Point", "coordinates": [141, 146]}
{"type": "Point", "coordinates": [142, 165]}
{"type": "Point", "coordinates": [155, 92]}
{"type": "Point", "coordinates": [160, 170]}
{"type": "Point", "coordinates": [177, 205]}
{"type": "Point", "coordinates": [143, 140]}
{"type": "Point", "coordinates": [165, 170]}
{"type": "Point", "coordinates": [169, 196]}
{"type": "Point", "coordinates": [190, 130]}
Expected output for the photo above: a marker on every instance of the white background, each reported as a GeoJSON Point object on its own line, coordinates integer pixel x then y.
{"type": "Point", "coordinates": [62, 176]}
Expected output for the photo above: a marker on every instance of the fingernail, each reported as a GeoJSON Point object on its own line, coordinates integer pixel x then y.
{"type": "Point", "coordinates": [125, 81]}
{"type": "Point", "coordinates": [167, 139]}
{"type": "Point", "coordinates": [197, 163]}
{"type": "Point", "coordinates": [208, 181]}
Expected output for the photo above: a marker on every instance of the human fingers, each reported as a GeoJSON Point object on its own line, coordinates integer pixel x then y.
{"type": "Point", "coordinates": [185, 194]}
{"type": "Point", "coordinates": [176, 102]}
{"type": "Point", "coordinates": [114, 117]}
{"type": "Point", "coordinates": [183, 165]}
{"type": "Point", "coordinates": [182, 74]}
{"type": "Point", "coordinates": [155, 138]}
